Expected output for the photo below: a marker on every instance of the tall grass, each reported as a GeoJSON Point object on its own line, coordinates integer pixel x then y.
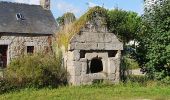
{"type": "Point", "coordinates": [128, 91]}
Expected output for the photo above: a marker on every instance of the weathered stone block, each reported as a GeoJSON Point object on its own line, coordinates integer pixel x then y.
{"type": "Point", "coordinates": [90, 56]}
{"type": "Point", "coordinates": [108, 38]}
{"type": "Point", "coordinates": [83, 60]}
{"type": "Point", "coordinates": [91, 37]}
{"type": "Point", "coordinates": [86, 46]}
{"type": "Point", "coordinates": [113, 46]}
{"type": "Point", "coordinates": [75, 71]}
{"type": "Point", "coordinates": [76, 55]}
{"type": "Point", "coordinates": [98, 76]}
{"type": "Point", "coordinates": [75, 80]}
{"type": "Point", "coordinates": [84, 67]}
{"type": "Point", "coordinates": [111, 76]}
{"type": "Point", "coordinates": [86, 79]}
{"type": "Point", "coordinates": [100, 46]}
{"type": "Point", "coordinates": [101, 37]}
{"type": "Point", "coordinates": [111, 66]}
{"type": "Point", "coordinates": [78, 70]}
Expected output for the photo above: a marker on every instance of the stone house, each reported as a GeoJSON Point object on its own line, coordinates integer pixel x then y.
{"type": "Point", "coordinates": [93, 55]}
{"type": "Point", "coordinates": [24, 29]}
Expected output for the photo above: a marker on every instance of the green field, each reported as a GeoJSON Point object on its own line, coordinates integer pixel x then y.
{"type": "Point", "coordinates": [94, 92]}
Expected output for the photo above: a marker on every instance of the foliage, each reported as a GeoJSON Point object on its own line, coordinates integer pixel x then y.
{"type": "Point", "coordinates": [128, 91]}
{"type": "Point", "coordinates": [36, 70]}
{"type": "Point", "coordinates": [66, 19]}
{"type": "Point", "coordinates": [60, 20]}
{"type": "Point", "coordinates": [154, 47]}
{"type": "Point", "coordinates": [127, 64]}
{"type": "Point", "coordinates": [130, 63]}
{"type": "Point", "coordinates": [64, 35]}
{"type": "Point", "coordinates": [125, 24]}
{"type": "Point", "coordinates": [6, 86]}
{"type": "Point", "coordinates": [138, 79]}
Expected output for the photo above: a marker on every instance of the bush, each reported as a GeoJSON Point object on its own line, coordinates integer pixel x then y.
{"type": "Point", "coordinates": [137, 79]}
{"type": "Point", "coordinates": [153, 51]}
{"type": "Point", "coordinates": [4, 86]}
{"type": "Point", "coordinates": [36, 70]}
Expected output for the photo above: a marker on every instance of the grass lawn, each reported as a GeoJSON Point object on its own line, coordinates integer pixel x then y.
{"type": "Point", "coordinates": [94, 92]}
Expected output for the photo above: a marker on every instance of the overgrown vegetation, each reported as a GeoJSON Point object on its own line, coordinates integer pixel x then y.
{"type": "Point", "coordinates": [125, 24]}
{"type": "Point", "coordinates": [64, 35]}
{"type": "Point", "coordinates": [67, 18]}
{"type": "Point", "coordinates": [35, 70]}
{"type": "Point", "coordinates": [154, 48]}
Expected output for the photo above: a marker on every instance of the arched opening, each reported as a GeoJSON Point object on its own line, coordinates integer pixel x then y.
{"type": "Point", "coordinates": [96, 65]}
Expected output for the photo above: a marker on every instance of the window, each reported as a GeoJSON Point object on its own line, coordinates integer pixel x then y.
{"type": "Point", "coordinates": [3, 55]}
{"type": "Point", "coordinates": [96, 65]}
{"type": "Point", "coordinates": [30, 49]}
{"type": "Point", "coordinates": [19, 16]}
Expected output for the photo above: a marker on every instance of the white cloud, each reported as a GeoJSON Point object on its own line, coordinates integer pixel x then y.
{"type": "Point", "coordinates": [91, 4]}
{"type": "Point", "coordinates": [66, 7]}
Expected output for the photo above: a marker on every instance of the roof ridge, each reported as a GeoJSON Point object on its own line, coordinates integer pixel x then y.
{"type": "Point", "coordinates": [36, 19]}
{"type": "Point", "coordinates": [18, 3]}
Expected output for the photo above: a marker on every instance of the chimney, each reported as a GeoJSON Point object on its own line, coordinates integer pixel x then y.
{"type": "Point", "coordinates": [45, 4]}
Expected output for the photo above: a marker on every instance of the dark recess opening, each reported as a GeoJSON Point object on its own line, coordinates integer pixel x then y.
{"type": "Point", "coordinates": [96, 65]}
{"type": "Point", "coordinates": [3, 55]}
{"type": "Point", "coordinates": [82, 54]}
{"type": "Point", "coordinates": [30, 49]}
{"type": "Point", "coordinates": [112, 53]}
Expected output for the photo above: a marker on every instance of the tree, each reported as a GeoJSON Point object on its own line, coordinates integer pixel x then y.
{"type": "Point", "coordinates": [67, 18]}
{"type": "Point", "coordinates": [125, 24]}
{"type": "Point", "coordinates": [155, 42]}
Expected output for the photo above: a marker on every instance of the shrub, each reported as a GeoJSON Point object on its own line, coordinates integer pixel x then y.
{"type": "Point", "coordinates": [153, 51]}
{"type": "Point", "coordinates": [137, 79]}
{"type": "Point", "coordinates": [127, 64]}
{"type": "Point", "coordinates": [36, 70]}
{"type": "Point", "coordinates": [4, 86]}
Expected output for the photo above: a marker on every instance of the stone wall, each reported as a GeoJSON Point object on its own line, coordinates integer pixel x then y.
{"type": "Point", "coordinates": [95, 41]}
{"type": "Point", "coordinates": [78, 67]}
{"type": "Point", "coordinates": [17, 43]}
{"type": "Point", "coordinates": [87, 46]}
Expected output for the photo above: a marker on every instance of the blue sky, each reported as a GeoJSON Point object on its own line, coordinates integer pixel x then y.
{"type": "Point", "coordinates": [79, 7]}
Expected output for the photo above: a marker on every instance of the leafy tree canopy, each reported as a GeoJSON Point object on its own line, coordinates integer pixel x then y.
{"type": "Point", "coordinates": [66, 19]}
{"type": "Point", "coordinates": [154, 48]}
{"type": "Point", "coordinates": [125, 24]}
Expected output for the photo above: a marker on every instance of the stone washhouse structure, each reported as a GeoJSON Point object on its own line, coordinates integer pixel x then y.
{"type": "Point", "coordinates": [93, 55]}
{"type": "Point", "coordinates": [24, 29]}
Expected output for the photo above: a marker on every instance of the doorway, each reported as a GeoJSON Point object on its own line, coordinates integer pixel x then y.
{"type": "Point", "coordinates": [3, 55]}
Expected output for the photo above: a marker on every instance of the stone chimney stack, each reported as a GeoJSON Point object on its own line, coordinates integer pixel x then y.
{"type": "Point", "coordinates": [45, 4]}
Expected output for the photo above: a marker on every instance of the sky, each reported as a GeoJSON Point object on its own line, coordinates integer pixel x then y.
{"type": "Point", "coordinates": [79, 7]}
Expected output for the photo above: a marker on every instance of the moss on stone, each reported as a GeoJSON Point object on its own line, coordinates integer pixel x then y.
{"type": "Point", "coordinates": [68, 31]}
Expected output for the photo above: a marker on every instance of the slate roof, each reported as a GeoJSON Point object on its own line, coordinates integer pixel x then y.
{"type": "Point", "coordinates": [36, 19]}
